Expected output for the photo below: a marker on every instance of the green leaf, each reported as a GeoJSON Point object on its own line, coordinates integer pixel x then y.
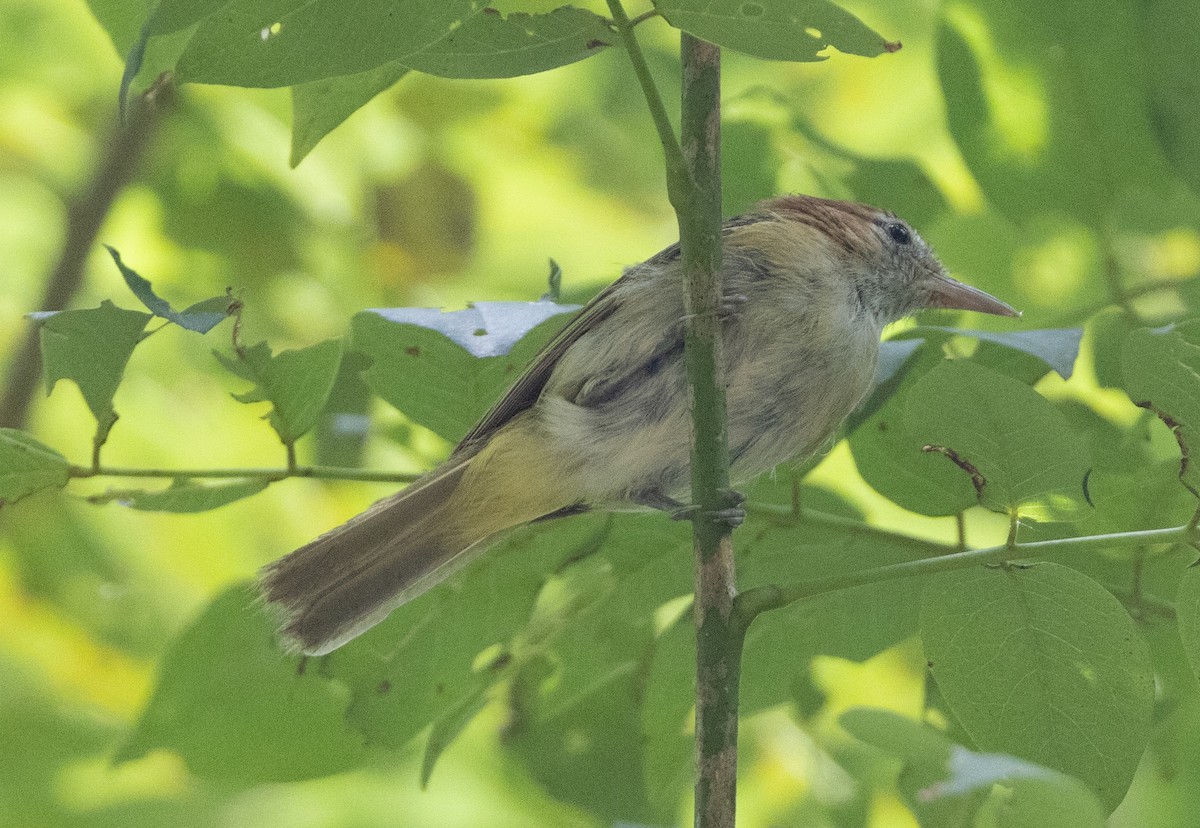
{"type": "Point", "coordinates": [1023, 798]}
{"type": "Point", "coordinates": [667, 727]}
{"type": "Point", "coordinates": [1047, 115]}
{"type": "Point", "coordinates": [1187, 608]}
{"type": "Point", "coordinates": [296, 383]}
{"type": "Point", "coordinates": [1057, 348]}
{"type": "Point", "coordinates": [27, 466]}
{"type": "Point", "coordinates": [449, 725]}
{"type": "Point", "coordinates": [175, 15]}
{"type": "Point", "coordinates": [775, 29]}
{"type": "Point", "coordinates": [341, 432]}
{"type": "Point", "coordinates": [201, 317]}
{"type": "Point", "coordinates": [490, 45]}
{"type": "Point", "coordinates": [424, 662]}
{"type": "Point", "coordinates": [915, 742]}
{"type": "Point", "coordinates": [595, 737]}
{"type": "Point", "coordinates": [265, 43]}
{"type": "Point", "coordinates": [235, 708]}
{"type": "Point", "coordinates": [183, 496]}
{"type": "Point", "coordinates": [1172, 86]}
{"type": "Point", "coordinates": [1019, 793]}
{"type": "Point", "coordinates": [1108, 330]}
{"type": "Point", "coordinates": [280, 43]}
{"type": "Point", "coordinates": [597, 622]}
{"type": "Point", "coordinates": [91, 348]}
{"type": "Point", "coordinates": [1161, 371]}
{"type": "Point", "coordinates": [1043, 663]}
{"type": "Point", "coordinates": [320, 106]}
{"type": "Point", "coordinates": [122, 20]}
{"type": "Point", "coordinates": [444, 370]}
{"type": "Point", "coordinates": [276, 43]}
{"type": "Point", "coordinates": [1018, 442]}
{"type": "Point", "coordinates": [853, 623]}
{"type": "Point", "coordinates": [889, 456]}
{"type": "Point", "coordinates": [749, 165]}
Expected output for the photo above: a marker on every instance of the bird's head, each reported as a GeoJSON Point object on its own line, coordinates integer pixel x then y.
{"type": "Point", "coordinates": [887, 266]}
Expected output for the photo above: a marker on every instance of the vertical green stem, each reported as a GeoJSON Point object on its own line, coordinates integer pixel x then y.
{"type": "Point", "coordinates": [719, 633]}
{"type": "Point", "coordinates": [693, 167]}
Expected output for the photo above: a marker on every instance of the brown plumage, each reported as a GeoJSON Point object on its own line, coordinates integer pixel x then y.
{"type": "Point", "coordinates": [600, 419]}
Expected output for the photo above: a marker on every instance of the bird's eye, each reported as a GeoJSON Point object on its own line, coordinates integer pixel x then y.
{"type": "Point", "coordinates": [899, 233]}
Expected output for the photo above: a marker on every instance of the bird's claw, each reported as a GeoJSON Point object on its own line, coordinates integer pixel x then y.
{"type": "Point", "coordinates": [732, 513]}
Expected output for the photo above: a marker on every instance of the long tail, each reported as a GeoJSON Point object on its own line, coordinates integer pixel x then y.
{"type": "Point", "coordinates": [349, 579]}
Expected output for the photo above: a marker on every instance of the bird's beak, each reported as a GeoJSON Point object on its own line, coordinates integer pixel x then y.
{"type": "Point", "coordinates": [948, 293]}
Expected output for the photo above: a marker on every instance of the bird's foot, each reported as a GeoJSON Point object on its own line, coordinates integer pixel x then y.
{"type": "Point", "coordinates": [731, 512]}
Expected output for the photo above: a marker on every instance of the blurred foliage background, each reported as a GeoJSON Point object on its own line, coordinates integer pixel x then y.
{"type": "Point", "coordinates": [1051, 154]}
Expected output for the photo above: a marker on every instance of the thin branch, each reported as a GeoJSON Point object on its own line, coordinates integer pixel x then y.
{"type": "Point", "coordinates": [811, 517]}
{"type": "Point", "coordinates": [322, 472]}
{"type": "Point", "coordinates": [85, 215]}
{"type": "Point", "coordinates": [752, 602]}
{"type": "Point", "coordinates": [644, 16]}
{"type": "Point", "coordinates": [1116, 288]}
{"type": "Point", "coordinates": [676, 168]}
{"type": "Point", "coordinates": [1134, 292]}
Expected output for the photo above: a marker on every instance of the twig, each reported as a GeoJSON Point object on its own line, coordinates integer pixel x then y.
{"type": "Point", "coordinates": [753, 602]}
{"type": "Point", "coordinates": [85, 215]}
{"type": "Point", "coordinates": [719, 635]}
{"type": "Point", "coordinates": [323, 472]}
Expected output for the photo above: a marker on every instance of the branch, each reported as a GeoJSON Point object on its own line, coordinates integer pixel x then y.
{"type": "Point", "coordinates": [694, 188]}
{"type": "Point", "coordinates": [676, 169]}
{"type": "Point", "coordinates": [85, 215]}
{"type": "Point", "coordinates": [753, 602]}
{"type": "Point", "coordinates": [322, 472]}
{"type": "Point", "coordinates": [696, 197]}
{"type": "Point", "coordinates": [811, 517]}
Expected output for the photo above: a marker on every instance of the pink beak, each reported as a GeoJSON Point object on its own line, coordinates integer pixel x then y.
{"type": "Point", "coordinates": [948, 293]}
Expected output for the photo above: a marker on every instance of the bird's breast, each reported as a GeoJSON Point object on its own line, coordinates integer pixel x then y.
{"type": "Point", "coordinates": [788, 397]}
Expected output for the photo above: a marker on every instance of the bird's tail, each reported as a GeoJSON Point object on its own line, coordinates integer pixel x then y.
{"type": "Point", "coordinates": [349, 579]}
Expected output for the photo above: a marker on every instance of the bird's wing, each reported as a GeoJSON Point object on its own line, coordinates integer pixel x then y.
{"type": "Point", "coordinates": [528, 387]}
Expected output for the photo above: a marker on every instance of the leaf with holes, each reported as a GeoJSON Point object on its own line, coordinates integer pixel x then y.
{"type": "Point", "coordinates": [444, 370]}
{"type": "Point", "coordinates": [266, 43]}
{"type": "Point", "coordinates": [1043, 663]}
{"type": "Point", "coordinates": [890, 459]}
{"type": "Point", "coordinates": [776, 29]}
{"type": "Point", "coordinates": [1161, 370]}
{"type": "Point", "coordinates": [1015, 445]}
{"type": "Point", "coordinates": [296, 383]}
{"type": "Point", "coordinates": [492, 45]}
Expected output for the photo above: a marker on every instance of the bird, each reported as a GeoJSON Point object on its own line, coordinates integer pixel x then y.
{"type": "Point", "coordinates": [600, 419]}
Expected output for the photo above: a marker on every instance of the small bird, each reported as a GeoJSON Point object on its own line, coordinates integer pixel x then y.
{"type": "Point", "coordinates": [600, 418]}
